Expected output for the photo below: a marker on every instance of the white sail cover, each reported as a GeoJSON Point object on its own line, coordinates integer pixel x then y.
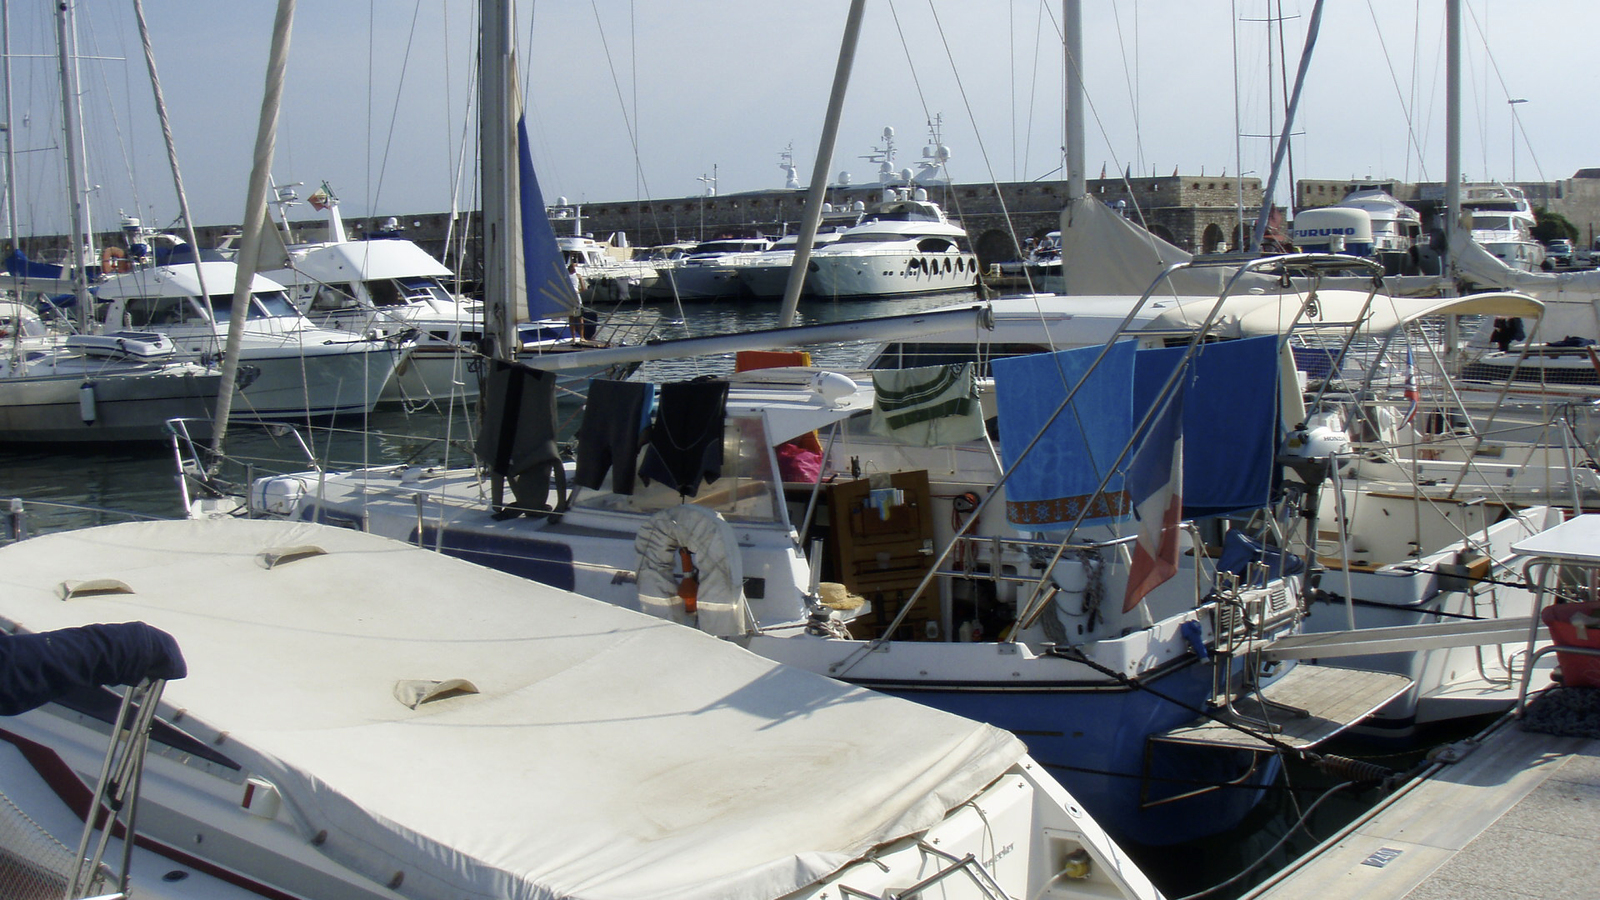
{"type": "Point", "coordinates": [1480, 267]}
{"type": "Point", "coordinates": [606, 754]}
{"type": "Point", "coordinates": [1104, 253]}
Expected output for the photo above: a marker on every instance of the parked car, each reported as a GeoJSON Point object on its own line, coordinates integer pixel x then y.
{"type": "Point", "coordinates": [1559, 252]}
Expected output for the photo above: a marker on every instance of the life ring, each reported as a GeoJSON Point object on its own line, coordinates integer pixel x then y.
{"type": "Point", "coordinates": [711, 597]}
{"type": "Point", "coordinates": [115, 259]}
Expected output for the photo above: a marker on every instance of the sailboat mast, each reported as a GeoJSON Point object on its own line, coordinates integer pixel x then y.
{"type": "Point", "coordinates": [255, 215]}
{"type": "Point", "coordinates": [77, 183]}
{"type": "Point", "coordinates": [1072, 26]}
{"type": "Point", "coordinates": [1452, 128]}
{"type": "Point", "coordinates": [11, 155]}
{"type": "Point", "coordinates": [819, 173]}
{"type": "Point", "coordinates": [1282, 150]}
{"type": "Point", "coordinates": [497, 74]}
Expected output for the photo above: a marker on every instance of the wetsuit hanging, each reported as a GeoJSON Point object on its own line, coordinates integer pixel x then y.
{"type": "Point", "coordinates": [616, 417]}
{"type": "Point", "coordinates": [686, 440]}
{"type": "Point", "coordinates": [518, 440]}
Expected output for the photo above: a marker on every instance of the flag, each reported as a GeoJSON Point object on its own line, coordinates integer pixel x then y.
{"type": "Point", "coordinates": [1102, 170]}
{"type": "Point", "coordinates": [1410, 389]}
{"type": "Point", "coordinates": [322, 198]}
{"type": "Point", "coordinates": [1155, 488]}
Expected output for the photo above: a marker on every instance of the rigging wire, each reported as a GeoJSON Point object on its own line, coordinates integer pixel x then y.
{"type": "Point", "coordinates": [1405, 108]}
{"type": "Point", "coordinates": [1494, 66]}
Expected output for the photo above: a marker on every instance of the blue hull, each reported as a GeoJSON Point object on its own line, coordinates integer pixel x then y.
{"type": "Point", "coordinates": [1094, 742]}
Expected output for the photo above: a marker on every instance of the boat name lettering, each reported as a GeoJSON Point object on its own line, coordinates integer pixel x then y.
{"type": "Point", "coordinates": [1002, 854]}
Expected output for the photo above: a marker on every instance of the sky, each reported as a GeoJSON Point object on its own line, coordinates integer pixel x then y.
{"type": "Point", "coordinates": [636, 100]}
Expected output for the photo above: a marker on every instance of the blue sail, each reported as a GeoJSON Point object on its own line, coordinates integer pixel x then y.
{"type": "Point", "coordinates": [550, 290]}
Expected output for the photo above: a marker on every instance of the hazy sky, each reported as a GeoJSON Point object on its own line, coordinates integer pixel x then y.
{"type": "Point", "coordinates": [641, 99]}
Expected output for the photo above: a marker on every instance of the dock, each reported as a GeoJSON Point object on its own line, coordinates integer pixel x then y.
{"type": "Point", "coordinates": [1517, 817]}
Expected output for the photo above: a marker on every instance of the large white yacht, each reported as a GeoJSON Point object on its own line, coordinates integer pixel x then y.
{"type": "Point", "coordinates": [905, 245]}
{"type": "Point", "coordinates": [706, 273]}
{"type": "Point", "coordinates": [1502, 221]}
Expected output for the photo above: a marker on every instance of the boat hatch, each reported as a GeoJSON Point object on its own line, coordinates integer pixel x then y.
{"type": "Point", "coordinates": [92, 587]}
{"type": "Point", "coordinates": [280, 555]}
{"type": "Point", "coordinates": [415, 692]}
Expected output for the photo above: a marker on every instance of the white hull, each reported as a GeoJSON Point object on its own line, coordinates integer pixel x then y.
{"type": "Point", "coordinates": [294, 381]}
{"type": "Point", "coordinates": [889, 273]}
{"type": "Point", "coordinates": [125, 406]}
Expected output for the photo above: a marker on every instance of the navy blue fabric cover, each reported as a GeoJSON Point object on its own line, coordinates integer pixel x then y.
{"type": "Point", "coordinates": [1230, 421]}
{"type": "Point", "coordinates": [1240, 551]}
{"type": "Point", "coordinates": [38, 668]}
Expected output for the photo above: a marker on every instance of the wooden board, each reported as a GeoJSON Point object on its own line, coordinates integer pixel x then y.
{"type": "Point", "coordinates": [884, 553]}
{"type": "Point", "coordinates": [1335, 698]}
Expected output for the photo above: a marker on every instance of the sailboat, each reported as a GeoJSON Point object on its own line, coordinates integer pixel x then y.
{"type": "Point", "coordinates": [116, 387]}
{"type": "Point", "coordinates": [567, 765]}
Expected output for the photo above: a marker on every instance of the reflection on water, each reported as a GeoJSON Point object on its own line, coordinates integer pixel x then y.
{"type": "Point", "coordinates": [79, 487]}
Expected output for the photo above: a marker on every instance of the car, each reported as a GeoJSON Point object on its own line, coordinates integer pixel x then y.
{"type": "Point", "coordinates": [1559, 251]}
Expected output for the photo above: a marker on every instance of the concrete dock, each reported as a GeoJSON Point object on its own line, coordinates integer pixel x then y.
{"type": "Point", "coordinates": [1519, 817]}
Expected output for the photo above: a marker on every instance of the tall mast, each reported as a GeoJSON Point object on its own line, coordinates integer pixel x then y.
{"type": "Point", "coordinates": [497, 146]}
{"type": "Point", "coordinates": [1452, 129]}
{"type": "Point", "coordinates": [77, 184]}
{"type": "Point", "coordinates": [11, 157]}
{"type": "Point", "coordinates": [819, 173]}
{"type": "Point", "coordinates": [1282, 149]}
{"type": "Point", "coordinates": [1072, 26]}
{"type": "Point", "coordinates": [255, 214]}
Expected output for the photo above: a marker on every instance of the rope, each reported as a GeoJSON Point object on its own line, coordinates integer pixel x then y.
{"type": "Point", "coordinates": [1299, 823]}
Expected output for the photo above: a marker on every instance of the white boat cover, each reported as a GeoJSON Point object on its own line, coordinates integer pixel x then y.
{"type": "Point", "coordinates": [606, 754]}
{"type": "Point", "coordinates": [1482, 268]}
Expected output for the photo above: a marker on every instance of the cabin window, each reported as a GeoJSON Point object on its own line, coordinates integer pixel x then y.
{"type": "Point", "coordinates": [272, 303]}
{"type": "Point", "coordinates": [154, 312]}
{"type": "Point", "coordinates": [330, 297]}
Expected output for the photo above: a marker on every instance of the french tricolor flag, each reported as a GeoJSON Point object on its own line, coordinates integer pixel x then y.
{"type": "Point", "coordinates": [1154, 483]}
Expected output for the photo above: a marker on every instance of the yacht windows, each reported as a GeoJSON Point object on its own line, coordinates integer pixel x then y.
{"type": "Point", "coordinates": [385, 292]}
{"type": "Point", "coordinates": [330, 297]}
{"type": "Point", "coordinates": [154, 312]}
{"type": "Point", "coordinates": [266, 304]}
{"type": "Point", "coordinates": [272, 303]}
{"type": "Point", "coordinates": [423, 288]}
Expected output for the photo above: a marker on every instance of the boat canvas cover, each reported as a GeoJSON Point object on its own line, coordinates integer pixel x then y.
{"type": "Point", "coordinates": [605, 753]}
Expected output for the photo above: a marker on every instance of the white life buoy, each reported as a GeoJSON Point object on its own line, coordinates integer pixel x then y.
{"type": "Point", "coordinates": [712, 596]}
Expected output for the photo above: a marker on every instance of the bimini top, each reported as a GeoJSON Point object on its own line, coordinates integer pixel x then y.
{"type": "Point", "coordinates": [605, 753]}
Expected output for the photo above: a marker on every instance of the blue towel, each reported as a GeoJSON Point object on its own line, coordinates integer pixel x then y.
{"type": "Point", "coordinates": [1056, 481]}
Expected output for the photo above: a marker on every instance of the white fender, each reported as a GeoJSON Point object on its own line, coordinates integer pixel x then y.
{"type": "Point", "coordinates": [706, 535]}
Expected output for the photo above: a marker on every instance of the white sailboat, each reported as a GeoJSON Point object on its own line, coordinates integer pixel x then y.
{"type": "Point", "coordinates": [567, 766]}
{"type": "Point", "coordinates": [115, 388]}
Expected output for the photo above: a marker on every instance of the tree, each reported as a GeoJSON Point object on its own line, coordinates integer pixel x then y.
{"type": "Point", "coordinates": [1551, 226]}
